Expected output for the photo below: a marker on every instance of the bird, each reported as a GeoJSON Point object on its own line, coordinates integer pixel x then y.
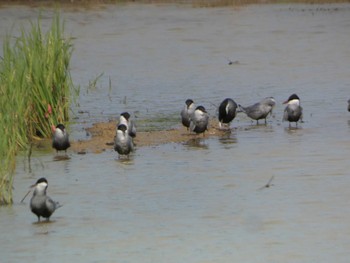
{"type": "Point", "coordinates": [293, 112]}
{"type": "Point", "coordinates": [123, 143]}
{"type": "Point", "coordinates": [124, 118]}
{"type": "Point", "coordinates": [41, 204]}
{"type": "Point", "coordinates": [60, 140]}
{"type": "Point", "coordinates": [269, 184]}
{"type": "Point", "coordinates": [199, 120]}
{"type": "Point", "coordinates": [227, 112]}
{"type": "Point", "coordinates": [259, 110]}
{"type": "Point", "coordinates": [186, 113]}
{"type": "Point", "coordinates": [349, 105]}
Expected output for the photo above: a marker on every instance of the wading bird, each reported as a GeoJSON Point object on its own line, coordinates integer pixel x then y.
{"type": "Point", "coordinates": [60, 140]}
{"type": "Point", "coordinates": [123, 143]}
{"type": "Point", "coordinates": [41, 204]}
{"type": "Point", "coordinates": [293, 112]}
{"type": "Point", "coordinates": [124, 118]}
{"type": "Point", "coordinates": [187, 112]}
{"type": "Point", "coordinates": [259, 110]}
{"type": "Point", "coordinates": [199, 120]}
{"type": "Point", "coordinates": [227, 112]}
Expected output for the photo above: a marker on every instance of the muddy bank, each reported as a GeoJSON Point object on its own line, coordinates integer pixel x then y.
{"type": "Point", "coordinates": [102, 135]}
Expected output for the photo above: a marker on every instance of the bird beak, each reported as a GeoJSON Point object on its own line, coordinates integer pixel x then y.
{"type": "Point", "coordinates": [53, 128]}
{"type": "Point", "coordinates": [285, 102]}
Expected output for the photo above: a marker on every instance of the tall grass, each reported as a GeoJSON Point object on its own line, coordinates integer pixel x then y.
{"type": "Point", "coordinates": [35, 88]}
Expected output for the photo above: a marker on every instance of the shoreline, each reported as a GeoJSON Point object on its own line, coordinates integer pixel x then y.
{"type": "Point", "coordinates": [102, 137]}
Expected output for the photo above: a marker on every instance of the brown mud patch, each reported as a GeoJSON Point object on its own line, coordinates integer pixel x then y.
{"type": "Point", "coordinates": [102, 137]}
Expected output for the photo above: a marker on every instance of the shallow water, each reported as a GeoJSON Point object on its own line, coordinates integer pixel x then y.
{"type": "Point", "coordinates": [200, 201]}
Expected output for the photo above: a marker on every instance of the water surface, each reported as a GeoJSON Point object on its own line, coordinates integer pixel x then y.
{"type": "Point", "coordinates": [200, 201]}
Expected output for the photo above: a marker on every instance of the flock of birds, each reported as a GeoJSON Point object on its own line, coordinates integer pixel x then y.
{"type": "Point", "coordinates": [196, 119]}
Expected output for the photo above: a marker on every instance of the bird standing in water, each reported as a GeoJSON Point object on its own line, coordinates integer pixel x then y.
{"type": "Point", "coordinates": [259, 110]}
{"type": "Point", "coordinates": [227, 112]}
{"type": "Point", "coordinates": [123, 143]}
{"type": "Point", "coordinates": [60, 140]}
{"type": "Point", "coordinates": [199, 120]}
{"type": "Point", "coordinates": [293, 112]}
{"type": "Point", "coordinates": [187, 112]}
{"type": "Point", "coordinates": [41, 204]}
{"type": "Point", "coordinates": [124, 118]}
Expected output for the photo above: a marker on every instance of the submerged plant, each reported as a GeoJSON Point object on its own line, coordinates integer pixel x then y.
{"type": "Point", "coordinates": [35, 88]}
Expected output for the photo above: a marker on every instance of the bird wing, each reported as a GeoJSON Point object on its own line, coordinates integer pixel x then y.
{"type": "Point", "coordinates": [51, 205]}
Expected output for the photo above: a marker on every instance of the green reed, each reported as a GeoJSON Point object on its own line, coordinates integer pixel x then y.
{"type": "Point", "coordinates": [35, 92]}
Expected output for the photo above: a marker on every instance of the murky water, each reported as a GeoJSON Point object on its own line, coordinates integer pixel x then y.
{"type": "Point", "coordinates": [200, 201]}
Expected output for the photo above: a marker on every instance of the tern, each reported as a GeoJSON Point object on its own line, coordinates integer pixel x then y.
{"type": "Point", "coordinates": [227, 112]}
{"type": "Point", "coordinates": [187, 112]}
{"type": "Point", "coordinates": [60, 140]}
{"type": "Point", "coordinates": [259, 110]}
{"type": "Point", "coordinates": [123, 143]}
{"type": "Point", "coordinates": [293, 112]}
{"type": "Point", "coordinates": [41, 204]}
{"type": "Point", "coordinates": [199, 120]}
{"type": "Point", "coordinates": [124, 118]}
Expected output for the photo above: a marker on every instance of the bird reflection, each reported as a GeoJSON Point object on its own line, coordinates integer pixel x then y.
{"type": "Point", "coordinates": [197, 143]}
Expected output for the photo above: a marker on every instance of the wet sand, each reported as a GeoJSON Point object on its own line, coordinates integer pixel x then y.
{"type": "Point", "coordinates": [102, 137]}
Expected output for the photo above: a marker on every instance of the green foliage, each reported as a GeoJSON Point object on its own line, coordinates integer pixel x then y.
{"type": "Point", "coordinates": [35, 88]}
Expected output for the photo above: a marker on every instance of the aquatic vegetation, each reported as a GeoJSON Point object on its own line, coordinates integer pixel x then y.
{"type": "Point", "coordinates": [35, 92]}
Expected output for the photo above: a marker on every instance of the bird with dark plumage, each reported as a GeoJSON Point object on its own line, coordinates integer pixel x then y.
{"type": "Point", "coordinates": [123, 143]}
{"type": "Point", "coordinates": [199, 120]}
{"type": "Point", "coordinates": [349, 105]}
{"type": "Point", "coordinates": [227, 112]}
{"type": "Point", "coordinates": [124, 118]}
{"type": "Point", "coordinates": [60, 140]}
{"type": "Point", "coordinates": [293, 112]}
{"type": "Point", "coordinates": [259, 110]}
{"type": "Point", "coordinates": [187, 112]}
{"type": "Point", "coordinates": [41, 204]}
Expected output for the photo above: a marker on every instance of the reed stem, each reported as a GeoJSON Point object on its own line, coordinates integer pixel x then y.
{"type": "Point", "coordinates": [35, 92]}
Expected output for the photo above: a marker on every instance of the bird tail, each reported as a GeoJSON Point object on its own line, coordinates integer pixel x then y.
{"type": "Point", "coordinates": [58, 205]}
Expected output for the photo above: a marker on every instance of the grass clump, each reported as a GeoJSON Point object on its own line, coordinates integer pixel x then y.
{"type": "Point", "coordinates": [35, 88]}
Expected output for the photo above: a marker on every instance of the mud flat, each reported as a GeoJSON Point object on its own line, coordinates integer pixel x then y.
{"type": "Point", "coordinates": [102, 137]}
